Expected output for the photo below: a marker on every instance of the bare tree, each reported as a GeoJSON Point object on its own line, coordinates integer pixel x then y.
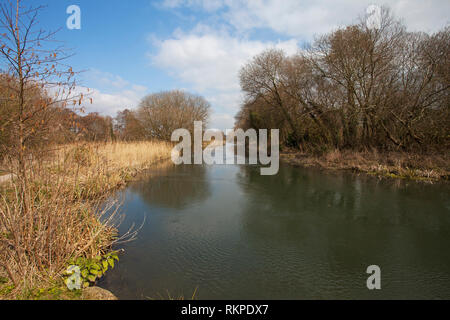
{"type": "Point", "coordinates": [162, 113]}
{"type": "Point", "coordinates": [127, 127]}
{"type": "Point", "coordinates": [356, 87]}
{"type": "Point", "coordinates": [262, 79]}
{"type": "Point", "coordinates": [34, 75]}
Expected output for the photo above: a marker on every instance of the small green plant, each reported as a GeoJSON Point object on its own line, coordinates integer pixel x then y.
{"type": "Point", "coordinates": [5, 290]}
{"type": "Point", "coordinates": [93, 268]}
{"type": "Point", "coordinates": [5, 286]}
{"type": "Point", "coordinates": [53, 293]}
{"type": "Point", "coordinates": [54, 290]}
{"type": "Point", "coordinates": [3, 280]}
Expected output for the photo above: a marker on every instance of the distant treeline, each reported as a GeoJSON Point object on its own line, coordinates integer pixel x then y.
{"type": "Point", "coordinates": [155, 119]}
{"type": "Point", "coordinates": [354, 88]}
{"type": "Point", "coordinates": [160, 114]}
{"type": "Point", "coordinates": [43, 123]}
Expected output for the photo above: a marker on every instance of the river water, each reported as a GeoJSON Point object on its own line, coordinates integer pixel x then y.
{"type": "Point", "coordinates": [301, 234]}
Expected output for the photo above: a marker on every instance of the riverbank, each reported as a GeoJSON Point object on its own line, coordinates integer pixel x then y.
{"type": "Point", "coordinates": [60, 214]}
{"type": "Point", "coordinates": [387, 165]}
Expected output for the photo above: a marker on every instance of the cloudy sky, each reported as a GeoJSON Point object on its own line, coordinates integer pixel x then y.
{"type": "Point", "coordinates": [132, 48]}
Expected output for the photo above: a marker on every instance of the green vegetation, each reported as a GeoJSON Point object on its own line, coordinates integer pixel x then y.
{"type": "Point", "coordinates": [92, 269]}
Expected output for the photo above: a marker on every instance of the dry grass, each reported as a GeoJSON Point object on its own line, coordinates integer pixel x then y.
{"type": "Point", "coordinates": [168, 296]}
{"type": "Point", "coordinates": [135, 155]}
{"type": "Point", "coordinates": [388, 164]}
{"type": "Point", "coordinates": [96, 169]}
{"type": "Point", "coordinates": [58, 211]}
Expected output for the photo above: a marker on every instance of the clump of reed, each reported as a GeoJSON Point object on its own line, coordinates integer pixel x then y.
{"type": "Point", "coordinates": [168, 296]}
{"type": "Point", "coordinates": [383, 164]}
{"type": "Point", "coordinates": [59, 211]}
{"type": "Point", "coordinates": [97, 168]}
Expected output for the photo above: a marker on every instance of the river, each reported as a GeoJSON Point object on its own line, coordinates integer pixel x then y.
{"type": "Point", "coordinates": [301, 234]}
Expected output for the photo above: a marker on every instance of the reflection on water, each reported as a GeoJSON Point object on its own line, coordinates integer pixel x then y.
{"type": "Point", "coordinates": [302, 234]}
{"type": "Point", "coordinates": [163, 187]}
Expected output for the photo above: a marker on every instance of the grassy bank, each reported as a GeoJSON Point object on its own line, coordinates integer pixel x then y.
{"type": "Point", "coordinates": [389, 164]}
{"type": "Point", "coordinates": [59, 214]}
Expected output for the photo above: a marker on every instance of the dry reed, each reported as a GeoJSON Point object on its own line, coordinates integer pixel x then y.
{"type": "Point", "coordinates": [382, 164]}
{"type": "Point", "coordinates": [59, 212]}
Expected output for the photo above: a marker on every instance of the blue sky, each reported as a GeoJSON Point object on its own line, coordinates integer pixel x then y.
{"type": "Point", "coordinates": [133, 48]}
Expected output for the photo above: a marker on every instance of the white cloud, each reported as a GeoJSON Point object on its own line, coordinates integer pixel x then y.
{"type": "Point", "coordinates": [209, 62]}
{"type": "Point", "coordinates": [207, 59]}
{"type": "Point", "coordinates": [291, 17]}
{"type": "Point", "coordinates": [110, 79]}
{"type": "Point", "coordinates": [109, 104]}
{"type": "Point", "coordinates": [306, 18]}
{"type": "Point", "coordinates": [110, 93]}
{"type": "Point", "coordinates": [225, 100]}
{"type": "Point", "coordinates": [429, 16]}
{"type": "Point", "coordinates": [221, 121]}
{"type": "Point", "coordinates": [209, 5]}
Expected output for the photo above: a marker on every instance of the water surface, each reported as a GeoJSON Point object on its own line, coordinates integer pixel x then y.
{"type": "Point", "coordinates": [302, 234]}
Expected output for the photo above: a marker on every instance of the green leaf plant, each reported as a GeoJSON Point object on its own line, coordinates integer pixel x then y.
{"type": "Point", "coordinates": [92, 269]}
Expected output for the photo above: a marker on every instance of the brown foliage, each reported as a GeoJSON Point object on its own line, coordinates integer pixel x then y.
{"type": "Point", "coordinates": [356, 88]}
{"type": "Point", "coordinates": [161, 113]}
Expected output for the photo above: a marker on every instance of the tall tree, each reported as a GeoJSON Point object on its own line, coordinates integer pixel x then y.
{"type": "Point", "coordinates": [162, 113]}
{"type": "Point", "coordinates": [34, 75]}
